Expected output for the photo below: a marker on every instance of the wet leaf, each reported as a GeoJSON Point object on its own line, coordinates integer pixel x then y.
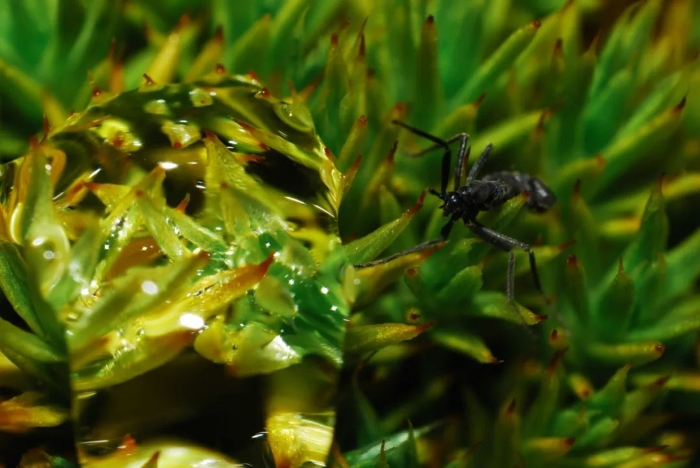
{"type": "Point", "coordinates": [30, 411]}
{"type": "Point", "coordinates": [466, 343]}
{"type": "Point", "coordinates": [368, 338]}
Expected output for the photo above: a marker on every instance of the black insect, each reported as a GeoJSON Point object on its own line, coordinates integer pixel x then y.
{"type": "Point", "coordinates": [466, 200]}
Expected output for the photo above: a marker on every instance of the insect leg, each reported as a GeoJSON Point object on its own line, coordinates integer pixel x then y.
{"type": "Point", "coordinates": [462, 159]}
{"type": "Point", "coordinates": [444, 232]}
{"type": "Point", "coordinates": [417, 248]}
{"type": "Point", "coordinates": [476, 168]}
{"type": "Point", "coordinates": [439, 143]}
{"type": "Point", "coordinates": [506, 243]}
{"type": "Point", "coordinates": [462, 155]}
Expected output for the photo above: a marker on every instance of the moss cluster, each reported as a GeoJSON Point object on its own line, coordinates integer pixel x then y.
{"type": "Point", "coordinates": [417, 362]}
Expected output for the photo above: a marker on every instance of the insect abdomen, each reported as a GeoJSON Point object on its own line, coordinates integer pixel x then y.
{"type": "Point", "coordinates": [541, 197]}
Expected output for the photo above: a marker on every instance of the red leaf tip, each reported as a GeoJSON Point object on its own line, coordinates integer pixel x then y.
{"type": "Point", "coordinates": [679, 107]}
{"type": "Point", "coordinates": [419, 204]}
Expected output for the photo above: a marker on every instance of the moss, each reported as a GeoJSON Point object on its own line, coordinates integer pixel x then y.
{"type": "Point", "coordinates": [594, 99]}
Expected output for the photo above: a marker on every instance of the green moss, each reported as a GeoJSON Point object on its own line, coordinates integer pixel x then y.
{"type": "Point", "coordinates": [595, 99]}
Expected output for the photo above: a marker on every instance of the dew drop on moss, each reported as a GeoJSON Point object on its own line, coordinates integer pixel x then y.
{"type": "Point", "coordinates": [178, 201]}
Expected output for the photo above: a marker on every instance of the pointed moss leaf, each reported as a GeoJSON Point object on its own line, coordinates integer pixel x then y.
{"type": "Point", "coordinates": [603, 113]}
{"type": "Point", "coordinates": [500, 61]}
{"type": "Point", "coordinates": [636, 353]}
{"type": "Point", "coordinates": [374, 280]}
{"type": "Point", "coordinates": [283, 24]}
{"type": "Point", "coordinates": [625, 457]}
{"type": "Point", "coordinates": [333, 88]}
{"type": "Point", "coordinates": [28, 411]}
{"type": "Point", "coordinates": [370, 246]}
{"type": "Point", "coordinates": [428, 93]}
{"type": "Point", "coordinates": [99, 18]}
{"type": "Point", "coordinates": [354, 144]}
{"type": "Point", "coordinates": [461, 120]}
{"type": "Point", "coordinates": [161, 230]}
{"type": "Point", "coordinates": [547, 449]}
{"type": "Point", "coordinates": [496, 305]}
{"type": "Point", "coordinates": [570, 423]}
{"type": "Point", "coordinates": [206, 60]}
{"type": "Point", "coordinates": [653, 233]}
{"type": "Point", "coordinates": [629, 35]}
{"type": "Point", "coordinates": [587, 170]}
{"type": "Point", "coordinates": [599, 433]}
{"type": "Point", "coordinates": [540, 414]}
{"type": "Point", "coordinates": [465, 343]}
{"type": "Point", "coordinates": [389, 207]}
{"type": "Point", "coordinates": [637, 401]}
{"type": "Point", "coordinates": [22, 292]}
{"type": "Point", "coordinates": [541, 45]}
{"type": "Point", "coordinates": [351, 105]}
{"type": "Point", "coordinates": [13, 281]}
{"type": "Point", "coordinates": [679, 321]}
{"type": "Point", "coordinates": [460, 36]}
{"type": "Point", "coordinates": [399, 53]}
{"type": "Point", "coordinates": [248, 51]}
{"type": "Point", "coordinates": [575, 284]}
{"type": "Point", "coordinates": [399, 450]}
{"type": "Point", "coordinates": [683, 268]}
{"type": "Point", "coordinates": [624, 152]}
{"type": "Point", "coordinates": [26, 92]}
{"type": "Point", "coordinates": [506, 133]}
{"type": "Point", "coordinates": [368, 424]}
{"type": "Point", "coordinates": [14, 340]}
{"type": "Point", "coordinates": [461, 286]}
{"type": "Point", "coordinates": [650, 290]}
{"type": "Point", "coordinates": [131, 296]}
{"type": "Point", "coordinates": [213, 292]}
{"type": "Point", "coordinates": [44, 237]}
{"type": "Point", "coordinates": [426, 396]}
{"type": "Point", "coordinates": [194, 232]}
{"type": "Point", "coordinates": [665, 91]}
{"type": "Point", "coordinates": [136, 358]}
{"type": "Point", "coordinates": [437, 271]}
{"type": "Point", "coordinates": [164, 65]}
{"type": "Point", "coordinates": [42, 371]}
{"type": "Point", "coordinates": [110, 194]}
{"type": "Point", "coordinates": [609, 399]}
{"type": "Point", "coordinates": [389, 210]}
{"type": "Point", "coordinates": [616, 306]}
{"type": "Point", "coordinates": [676, 188]}
{"type": "Point", "coordinates": [251, 350]}
{"type": "Point", "coordinates": [81, 268]}
{"type": "Point", "coordinates": [506, 435]}
{"type": "Point", "coordinates": [368, 338]}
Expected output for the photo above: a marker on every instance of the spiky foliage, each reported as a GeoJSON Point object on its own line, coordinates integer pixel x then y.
{"type": "Point", "coordinates": [612, 380]}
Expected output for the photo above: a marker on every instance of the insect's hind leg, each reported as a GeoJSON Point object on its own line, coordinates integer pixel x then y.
{"type": "Point", "coordinates": [508, 244]}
